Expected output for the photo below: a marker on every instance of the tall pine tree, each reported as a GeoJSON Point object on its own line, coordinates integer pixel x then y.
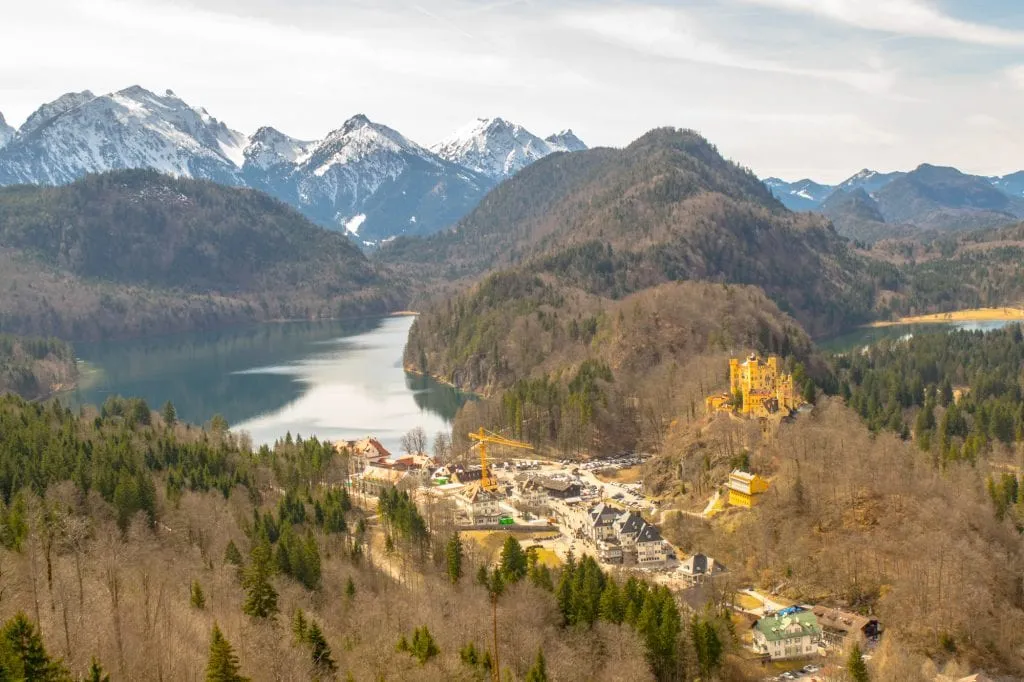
{"type": "Point", "coordinates": [223, 663]}
{"type": "Point", "coordinates": [454, 555]}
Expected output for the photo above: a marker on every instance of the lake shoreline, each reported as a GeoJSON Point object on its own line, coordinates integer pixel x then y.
{"type": "Point", "coordinates": [1005, 314]}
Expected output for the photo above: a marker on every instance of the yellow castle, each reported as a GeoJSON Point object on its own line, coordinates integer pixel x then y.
{"type": "Point", "coordinates": [756, 389]}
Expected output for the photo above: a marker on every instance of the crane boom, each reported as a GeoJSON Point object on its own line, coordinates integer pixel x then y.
{"type": "Point", "coordinates": [483, 438]}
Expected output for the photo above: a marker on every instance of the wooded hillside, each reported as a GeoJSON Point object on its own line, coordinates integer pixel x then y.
{"type": "Point", "coordinates": [591, 374]}
{"type": "Point", "coordinates": [136, 252]}
{"type": "Point", "coordinates": [666, 208]}
{"type": "Point", "coordinates": [33, 367]}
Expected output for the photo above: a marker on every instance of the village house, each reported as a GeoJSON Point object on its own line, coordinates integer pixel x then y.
{"type": "Point", "coordinates": [602, 522]}
{"type": "Point", "coordinates": [838, 626]}
{"type": "Point", "coordinates": [700, 566]}
{"type": "Point", "coordinates": [364, 452]}
{"type": "Point", "coordinates": [651, 548]}
{"type": "Point", "coordinates": [609, 551]}
{"type": "Point", "coordinates": [380, 475]}
{"type": "Point", "coordinates": [481, 507]}
{"type": "Point", "coordinates": [745, 488]}
{"type": "Point", "coordinates": [787, 634]}
{"type": "Point", "coordinates": [627, 528]}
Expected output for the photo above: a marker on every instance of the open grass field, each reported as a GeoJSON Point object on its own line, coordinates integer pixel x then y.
{"type": "Point", "coordinates": [490, 542]}
{"type": "Point", "coordinates": [627, 475]}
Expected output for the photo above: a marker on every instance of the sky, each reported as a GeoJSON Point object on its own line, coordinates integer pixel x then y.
{"type": "Point", "coordinates": [788, 88]}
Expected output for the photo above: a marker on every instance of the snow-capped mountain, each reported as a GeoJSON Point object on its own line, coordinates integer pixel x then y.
{"type": "Point", "coordinates": [802, 195]}
{"type": "Point", "coordinates": [6, 131]}
{"type": "Point", "coordinates": [132, 128]}
{"type": "Point", "coordinates": [368, 179]}
{"type": "Point", "coordinates": [499, 149]}
{"type": "Point", "coordinates": [565, 141]}
{"type": "Point", "coordinates": [868, 180]}
{"type": "Point", "coordinates": [52, 110]}
{"type": "Point", "coordinates": [269, 147]}
{"type": "Point", "coordinates": [364, 177]}
{"type": "Point", "coordinates": [1012, 184]}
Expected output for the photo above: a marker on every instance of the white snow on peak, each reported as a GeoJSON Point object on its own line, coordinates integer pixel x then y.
{"type": "Point", "coordinates": [360, 140]}
{"type": "Point", "coordinates": [805, 194]}
{"type": "Point", "coordinates": [565, 141]}
{"type": "Point", "coordinates": [51, 110]}
{"type": "Point", "coordinates": [498, 148]}
{"type": "Point", "coordinates": [130, 128]}
{"type": "Point", "coordinates": [268, 147]}
{"type": "Point", "coordinates": [355, 222]}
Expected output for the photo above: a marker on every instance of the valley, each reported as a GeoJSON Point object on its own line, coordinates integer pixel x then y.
{"type": "Point", "coordinates": [592, 302]}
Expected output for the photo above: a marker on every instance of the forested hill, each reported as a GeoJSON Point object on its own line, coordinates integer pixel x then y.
{"type": "Point", "coordinates": [667, 207]}
{"type": "Point", "coordinates": [132, 252]}
{"type": "Point", "coordinates": [34, 368]}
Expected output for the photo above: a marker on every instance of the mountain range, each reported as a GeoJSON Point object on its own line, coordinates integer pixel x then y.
{"type": "Point", "coordinates": [869, 205]}
{"type": "Point", "coordinates": [364, 177]}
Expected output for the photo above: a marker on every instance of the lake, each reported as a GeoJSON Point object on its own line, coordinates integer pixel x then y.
{"type": "Point", "coordinates": [331, 379]}
{"type": "Point", "coordinates": [866, 336]}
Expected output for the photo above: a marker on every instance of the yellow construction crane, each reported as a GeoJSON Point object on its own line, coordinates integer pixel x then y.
{"type": "Point", "coordinates": [483, 438]}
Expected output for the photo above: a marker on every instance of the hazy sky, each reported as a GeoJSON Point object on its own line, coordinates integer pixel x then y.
{"type": "Point", "coordinates": [793, 88]}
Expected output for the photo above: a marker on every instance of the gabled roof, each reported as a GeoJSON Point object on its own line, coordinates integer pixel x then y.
{"type": "Point", "coordinates": [649, 533]}
{"type": "Point", "coordinates": [844, 621]}
{"type": "Point", "coordinates": [794, 625]}
{"type": "Point", "coordinates": [696, 564]}
{"type": "Point", "coordinates": [631, 523]}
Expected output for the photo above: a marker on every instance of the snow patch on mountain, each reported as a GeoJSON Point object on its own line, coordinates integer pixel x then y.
{"type": "Point", "coordinates": [52, 110]}
{"type": "Point", "coordinates": [269, 147]}
{"type": "Point", "coordinates": [353, 224]}
{"type": "Point", "coordinates": [6, 131]}
{"type": "Point", "coordinates": [499, 149]}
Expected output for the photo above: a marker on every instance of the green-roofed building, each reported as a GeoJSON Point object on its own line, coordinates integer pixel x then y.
{"type": "Point", "coordinates": [787, 636]}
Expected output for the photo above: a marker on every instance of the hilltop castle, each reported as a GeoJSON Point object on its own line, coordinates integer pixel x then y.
{"type": "Point", "coordinates": [756, 389]}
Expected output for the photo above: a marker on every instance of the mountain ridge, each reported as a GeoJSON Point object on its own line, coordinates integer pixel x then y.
{"type": "Point", "coordinates": [362, 178]}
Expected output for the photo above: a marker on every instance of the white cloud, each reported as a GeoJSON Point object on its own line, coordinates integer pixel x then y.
{"type": "Point", "coordinates": [673, 34]}
{"type": "Point", "coordinates": [905, 17]}
{"type": "Point", "coordinates": [1015, 76]}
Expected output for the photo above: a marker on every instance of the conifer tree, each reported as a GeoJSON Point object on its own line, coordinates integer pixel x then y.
{"type": "Point", "coordinates": [513, 560]}
{"type": "Point", "coordinates": [350, 589]}
{"type": "Point", "coordinates": [454, 557]}
{"type": "Point", "coordinates": [261, 597]}
{"type": "Point", "coordinates": [423, 646]}
{"type": "Point", "coordinates": [856, 668]}
{"type": "Point", "coordinates": [223, 663]}
{"type": "Point", "coordinates": [96, 673]}
{"type": "Point", "coordinates": [232, 555]}
{"type": "Point", "coordinates": [169, 414]}
{"type": "Point", "coordinates": [299, 626]}
{"type": "Point", "coordinates": [198, 598]}
{"type": "Point", "coordinates": [319, 649]}
{"type": "Point", "coordinates": [24, 657]}
{"type": "Point", "coordinates": [539, 672]}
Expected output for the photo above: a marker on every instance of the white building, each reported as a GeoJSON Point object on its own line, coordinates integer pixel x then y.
{"type": "Point", "coordinates": [793, 635]}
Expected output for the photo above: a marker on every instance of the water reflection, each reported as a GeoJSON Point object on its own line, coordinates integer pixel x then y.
{"type": "Point", "coordinates": [332, 379]}
{"type": "Point", "coordinates": [867, 336]}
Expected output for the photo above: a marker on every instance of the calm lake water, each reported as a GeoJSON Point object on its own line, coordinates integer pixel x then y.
{"type": "Point", "coordinates": [869, 335]}
{"type": "Point", "coordinates": [332, 379]}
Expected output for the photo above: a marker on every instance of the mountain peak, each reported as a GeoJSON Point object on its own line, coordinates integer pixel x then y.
{"type": "Point", "coordinates": [269, 147]}
{"type": "Point", "coordinates": [566, 140]}
{"type": "Point", "coordinates": [52, 110]}
{"type": "Point", "coordinates": [498, 148]}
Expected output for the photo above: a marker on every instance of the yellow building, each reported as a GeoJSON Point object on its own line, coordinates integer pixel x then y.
{"type": "Point", "coordinates": [756, 388]}
{"type": "Point", "coordinates": [744, 489]}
